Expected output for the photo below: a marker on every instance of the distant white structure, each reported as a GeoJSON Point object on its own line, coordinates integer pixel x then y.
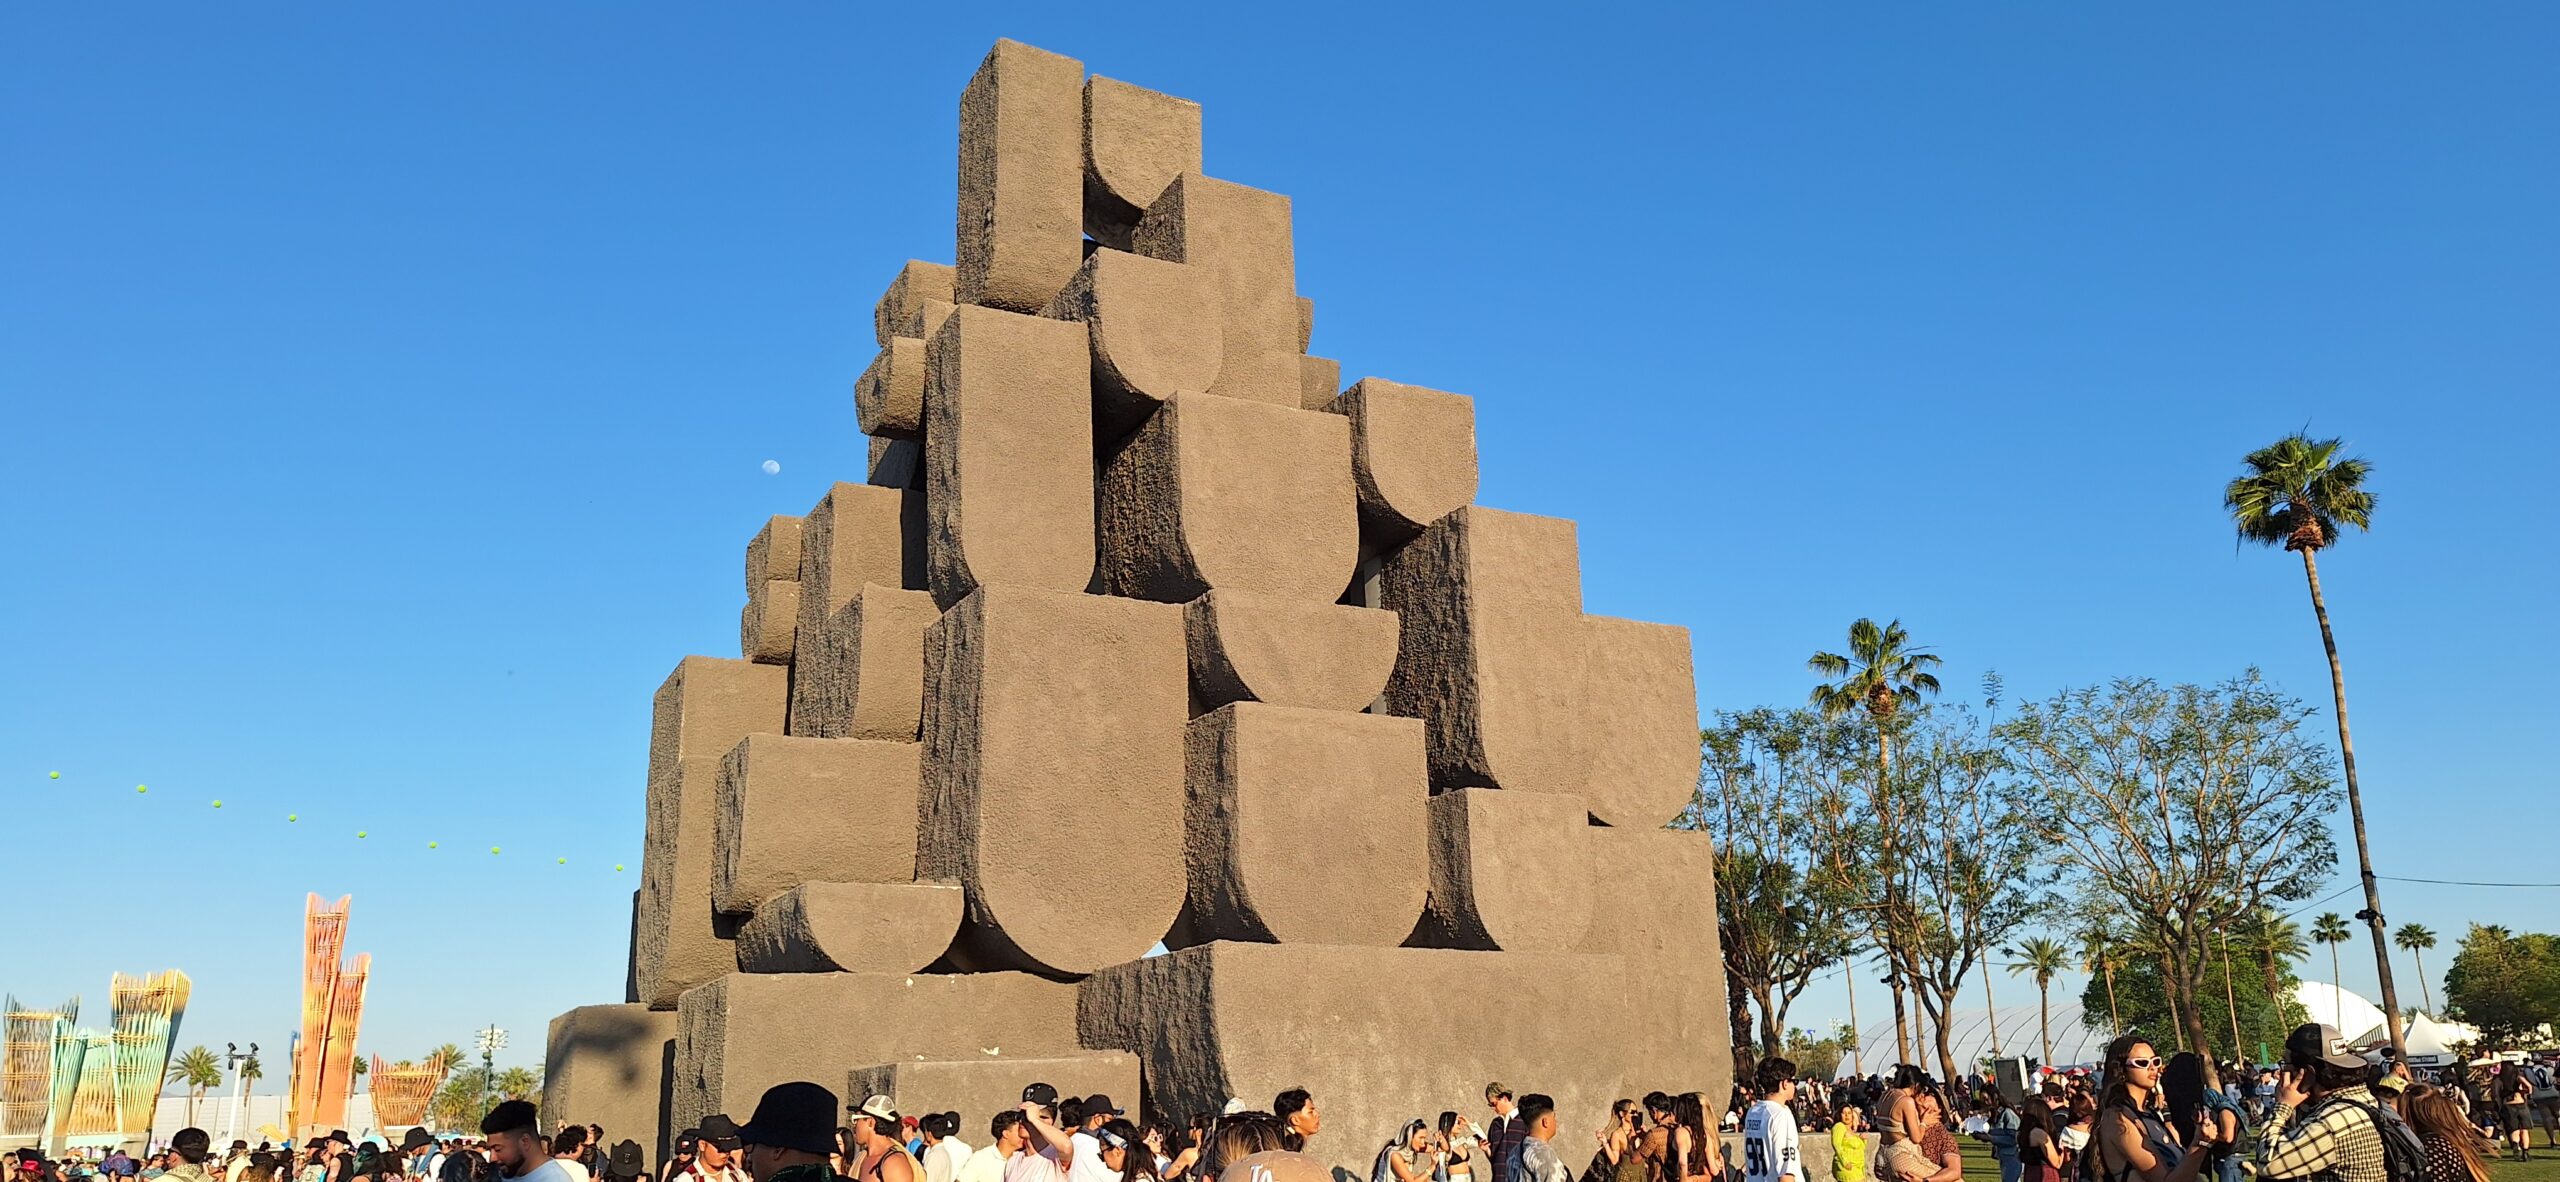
{"type": "Point", "coordinates": [1969, 1035]}
{"type": "Point", "coordinates": [2329, 1005]}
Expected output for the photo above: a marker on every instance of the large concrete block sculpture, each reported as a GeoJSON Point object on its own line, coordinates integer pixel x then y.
{"type": "Point", "coordinates": [1137, 628]}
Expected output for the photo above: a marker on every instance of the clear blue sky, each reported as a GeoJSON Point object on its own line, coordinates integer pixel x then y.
{"type": "Point", "coordinates": [385, 391]}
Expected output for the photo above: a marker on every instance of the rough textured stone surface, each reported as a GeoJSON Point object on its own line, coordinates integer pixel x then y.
{"type": "Point", "coordinates": [888, 399]}
{"type": "Point", "coordinates": [1248, 1020]}
{"type": "Point", "coordinates": [796, 810]}
{"type": "Point", "coordinates": [1305, 827]}
{"type": "Point", "coordinates": [1640, 722]}
{"type": "Point", "coordinates": [1288, 652]}
{"type": "Point", "coordinates": [1008, 454]}
{"type": "Point", "coordinates": [1414, 453]}
{"type": "Point", "coordinates": [1135, 142]}
{"type": "Point", "coordinates": [607, 1065]}
{"type": "Point", "coordinates": [1505, 872]}
{"type": "Point", "coordinates": [1491, 649]}
{"type": "Point", "coordinates": [896, 463]}
{"type": "Point", "coordinates": [1021, 223]}
{"type": "Point", "coordinates": [1241, 237]}
{"type": "Point", "coordinates": [706, 706]}
{"type": "Point", "coordinates": [774, 553]}
{"type": "Point", "coordinates": [1306, 323]}
{"type": "Point", "coordinates": [851, 927]}
{"type": "Point", "coordinates": [1154, 327]}
{"type": "Point", "coordinates": [769, 625]}
{"type": "Point", "coordinates": [1217, 493]}
{"type": "Point", "coordinates": [919, 287]}
{"type": "Point", "coordinates": [980, 1086]}
{"type": "Point", "coordinates": [861, 675]}
{"type": "Point", "coordinates": [1060, 715]}
{"type": "Point", "coordinates": [1660, 920]}
{"type": "Point", "coordinates": [744, 1032]}
{"type": "Point", "coordinates": [1319, 382]}
{"type": "Point", "coordinates": [858, 534]}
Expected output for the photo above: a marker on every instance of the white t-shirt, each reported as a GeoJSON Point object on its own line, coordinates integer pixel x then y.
{"type": "Point", "coordinates": [985, 1165]}
{"type": "Point", "coordinates": [1034, 1165]}
{"type": "Point", "coordinates": [1087, 1166]}
{"type": "Point", "coordinates": [576, 1171]}
{"type": "Point", "coordinates": [1769, 1147]}
{"type": "Point", "coordinates": [553, 1170]}
{"type": "Point", "coordinates": [943, 1159]}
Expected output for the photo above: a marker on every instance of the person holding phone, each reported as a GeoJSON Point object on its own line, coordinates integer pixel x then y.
{"type": "Point", "coordinates": [2132, 1141]}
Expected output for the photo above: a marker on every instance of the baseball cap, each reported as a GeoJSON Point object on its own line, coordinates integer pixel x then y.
{"type": "Point", "coordinates": [878, 1108]}
{"type": "Point", "coordinates": [2312, 1043]}
{"type": "Point", "coordinates": [2391, 1083]}
{"type": "Point", "coordinates": [1040, 1094]}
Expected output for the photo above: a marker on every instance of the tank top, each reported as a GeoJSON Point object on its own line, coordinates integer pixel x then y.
{"type": "Point", "coordinates": [2155, 1137]}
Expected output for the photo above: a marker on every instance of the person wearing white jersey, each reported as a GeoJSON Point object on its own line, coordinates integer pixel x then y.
{"type": "Point", "coordinates": [1770, 1151]}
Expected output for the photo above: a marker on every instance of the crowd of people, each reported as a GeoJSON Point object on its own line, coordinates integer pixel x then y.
{"type": "Point", "coordinates": [2325, 1115]}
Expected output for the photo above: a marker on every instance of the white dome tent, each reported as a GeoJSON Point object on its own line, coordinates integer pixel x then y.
{"type": "Point", "coordinates": [1969, 1036]}
{"type": "Point", "coordinates": [2329, 1005]}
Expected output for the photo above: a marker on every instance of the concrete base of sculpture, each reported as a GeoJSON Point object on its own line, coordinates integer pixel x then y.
{"type": "Point", "coordinates": [608, 1065]}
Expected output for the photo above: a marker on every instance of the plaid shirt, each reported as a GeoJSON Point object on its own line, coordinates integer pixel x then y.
{"type": "Point", "coordinates": [1502, 1145]}
{"type": "Point", "coordinates": [2331, 1141]}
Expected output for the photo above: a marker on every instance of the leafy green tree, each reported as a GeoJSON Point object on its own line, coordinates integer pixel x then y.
{"type": "Point", "coordinates": [2415, 939]}
{"type": "Point", "coordinates": [1781, 913]}
{"type": "Point", "coordinates": [2099, 957]}
{"type": "Point", "coordinates": [518, 1083]}
{"type": "Point", "coordinates": [2301, 494]}
{"type": "Point", "coordinates": [2505, 984]}
{"type": "Point", "coordinates": [2180, 812]}
{"type": "Point", "coordinates": [1880, 674]}
{"type": "Point", "coordinates": [2043, 959]}
{"type": "Point", "coordinates": [197, 1070]}
{"type": "Point", "coordinates": [2331, 929]}
{"type": "Point", "coordinates": [2141, 984]}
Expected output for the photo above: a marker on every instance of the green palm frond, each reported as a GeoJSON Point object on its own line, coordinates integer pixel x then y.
{"type": "Point", "coordinates": [2331, 928]}
{"type": "Point", "coordinates": [2413, 937]}
{"type": "Point", "coordinates": [2039, 957]}
{"type": "Point", "coordinates": [2299, 493]}
{"type": "Point", "coordinates": [1881, 672]}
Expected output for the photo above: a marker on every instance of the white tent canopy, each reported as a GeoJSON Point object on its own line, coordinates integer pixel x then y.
{"type": "Point", "coordinates": [2329, 1005]}
{"type": "Point", "coordinates": [2431, 1043]}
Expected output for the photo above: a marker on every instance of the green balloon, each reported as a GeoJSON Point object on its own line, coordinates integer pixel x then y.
{"type": "Point", "coordinates": [493, 849]}
{"type": "Point", "coordinates": [564, 861]}
{"type": "Point", "coordinates": [53, 775]}
{"type": "Point", "coordinates": [293, 816]}
{"type": "Point", "coordinates": [617, 867]}
{"type": "Point", "coordinates": [142, 787]}
{"type": "Point", "coordinates": [359, 832]}
{"type": "Point", "coordinates": [431, 845]}
{"type": "Point", "coordinates": [217, 804]}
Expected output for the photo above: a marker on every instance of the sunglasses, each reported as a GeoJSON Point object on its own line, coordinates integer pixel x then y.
{"type": "Point", "coordinates": [2147, 1061]}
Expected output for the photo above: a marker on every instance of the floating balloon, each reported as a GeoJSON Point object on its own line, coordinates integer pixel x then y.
{"type": "Point", "coordinates": [293, 816]}
{"type": "Point", "coordinates": [493, 849]}
{"type": "Point", "coordinates": [217, 804]}
{"type": "Point", "coordinates": [431, 845]}
{"type": "Point", "coordinates": [564, 861]}
{"type": "Point", "coordinates": [142, 787]}
{"type": "Point", "coordinates": [359, 832]}
{"type": "Point", "coordinates": [617, 867]}
{"type": "Point", "coordinates": [772, 467]}
{"type": "Point", "coordinates": [53, 775]}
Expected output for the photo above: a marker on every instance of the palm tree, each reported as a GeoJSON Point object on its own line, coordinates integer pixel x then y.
{"type": "Point", "coordinates": [2044, 959]}
{"type": "Point", "coordinates": [1882, 672]}
{"type": "Point", "coordinates": [444, 1058]}
{"type": "Point", "coordinates": [2299, 493]}
{"type": "Point", "coordinates": [518, 1083]}
{"type": "Point", "coordinates": [2098, 955]}
{"type": "Point", "coordinates": [2415, 939]}
{"type": "Point", "coordinates": [2331, 929]}
{"type": "Point", "coordinates": [198, 1070]}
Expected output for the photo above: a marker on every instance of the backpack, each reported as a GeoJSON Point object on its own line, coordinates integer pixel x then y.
{"type": "Point", "coordinates": [2404, 1157]}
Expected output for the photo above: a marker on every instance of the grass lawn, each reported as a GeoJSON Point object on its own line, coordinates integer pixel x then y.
{"type": "Point", "coordinates": [2545, 1166]}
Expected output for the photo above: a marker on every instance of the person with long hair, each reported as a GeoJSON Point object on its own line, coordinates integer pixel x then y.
{"type": "Point", "coordinates": [2515, 1109]}
{"type": "Point", "coordinates": [1616, 1159]}
{"type": "Point", "coordinates": [2040, 1156]}
{"type": "Point", "coordinates": [1406, 1157]}
{"type": "Point", "coordinates": [2131, 1140]}
{"type": "Point", "coordinates": [1690, 1138]}
{"type": "Point", "coordinates": [1458, 1146]}
{"type": "Point", "coordinates": [2453, 1149]}
{"type": "Point", "coordinates": [2201, 1115]}
{"type": "Point", "coordinates": [1240, 1136]}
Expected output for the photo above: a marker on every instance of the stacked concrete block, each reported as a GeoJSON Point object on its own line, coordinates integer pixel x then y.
{"type": "Point", "coordinates": [706, 707]}
{"type": "Point", "coordinates": [851, 927]}
{"type": "Point", "coordinates": [768, 626]}
{"type": "Point", "coordinates": [1268, 784]}
{"type": "Point", "coordinates": [861, 674]}
{"type": "Point", "coordinates": [608, 1065]}
{"type": "Point", "coordinates": [1141, 628]}
{"type": "Point", "coordinates": [794, 810]}
{"type": "Point", "coordinates": [1053, 733]}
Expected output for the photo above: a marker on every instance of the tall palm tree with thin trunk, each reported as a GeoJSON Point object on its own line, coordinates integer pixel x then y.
{"type": "Point", "coordinates": [2331, 929]}
{"type": "Point", "coordinates": [2415, 939]}
{"type": "Point", "coordinates": [198, 1069]}
{"type": "Point", "coordinates": [2301, 494]}
{"type": "Point", "coordinates": [2044, 960]}
{"type": "Point", "coordinates": [2098, 955]}
{"type": "Point", "coordinates": [1881, 673]}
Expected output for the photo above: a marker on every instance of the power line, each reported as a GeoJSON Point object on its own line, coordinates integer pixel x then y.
{"type": "Point", "coordinates": [2459, 882]}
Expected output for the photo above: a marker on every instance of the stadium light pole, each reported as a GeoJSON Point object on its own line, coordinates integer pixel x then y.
{"type": "Point", "coordinates": [492, 1041]}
